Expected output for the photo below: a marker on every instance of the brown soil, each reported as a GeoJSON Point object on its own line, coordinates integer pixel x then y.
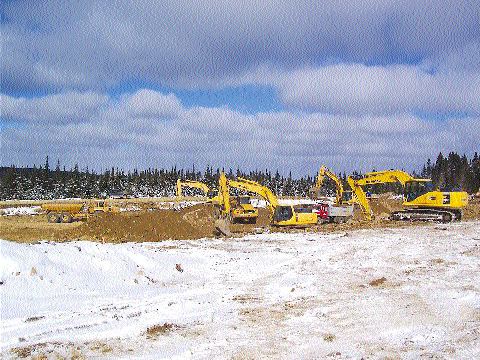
{"type": "Point", "coordinates": [33, 228]}
{"type": "Point", "coordinates": [189, 223]}
{"type": "Point", "coordinates": [377, 282]}
{"type": "Point", "coordinates": [156, 330]}
{"type": "Point", "coordinates": [472, 211]}
{"type": "Point", "coordinates": [154, 224]}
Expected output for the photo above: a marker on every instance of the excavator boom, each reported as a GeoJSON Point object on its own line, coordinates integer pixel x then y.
{"type": "Point", "coordinates": [191, 184]}
{"type": "Point", "coordinates": [238, 209]}
{"type": "Point", "coordinates": [325, 172]}
{"type": "Point", "coordinates": [282, 215]}
{"type": "Point", "coordinates": [421, 200]}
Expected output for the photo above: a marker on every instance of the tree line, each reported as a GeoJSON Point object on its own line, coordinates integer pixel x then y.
{"type": "Point", "coordinates": [452, 172]}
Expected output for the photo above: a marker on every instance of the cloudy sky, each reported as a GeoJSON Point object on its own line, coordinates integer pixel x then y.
{"type": "Point", "coordinates": [250, 84]}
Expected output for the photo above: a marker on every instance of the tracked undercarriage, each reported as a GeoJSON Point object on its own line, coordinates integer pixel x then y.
{"type": "Point", "coordinates": [440, 215]}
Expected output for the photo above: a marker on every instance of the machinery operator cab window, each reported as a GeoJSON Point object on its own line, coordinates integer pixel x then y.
{"type": "Point", "coordinates": [283, 213]}
{"type": "Point", "coordinates": [243, 200]}
{"type": "Point", "coordinates": [414, 189]}
{"type": "Point", "coordinates": [303, 209]}
{"type": "Point", "coordinates": [346, 196]}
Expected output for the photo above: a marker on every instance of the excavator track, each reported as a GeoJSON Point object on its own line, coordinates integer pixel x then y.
{"type": "Point", "coordinates": [443, 216]}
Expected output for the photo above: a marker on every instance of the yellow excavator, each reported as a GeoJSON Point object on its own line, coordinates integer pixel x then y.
{"type": "Point", "coordinates": [342, 196]}
{"type": "Point", "coordinates": [193, 184]}
{"type": "Point", "coordinates": [235, 209]}
{"type": "Point", "coordinates": [420, 198]}
{"type": "Point", "coordinates": [281, 215]}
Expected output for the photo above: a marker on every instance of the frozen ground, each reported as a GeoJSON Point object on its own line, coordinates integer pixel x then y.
{"type": "Point", "coordinates": [401, 293]}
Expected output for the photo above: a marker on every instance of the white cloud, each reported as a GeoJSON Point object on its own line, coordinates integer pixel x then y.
{"type": "Point", "coordinates": [117, 136]}
{"type": "Point", "coordinates": [58, 108]}
{"type": "Point", "coordinates": [395, 89]}
{"type": "Point", "coordinates": [149, 103]}
{"type": "Point", "coordinates": [89, 44]}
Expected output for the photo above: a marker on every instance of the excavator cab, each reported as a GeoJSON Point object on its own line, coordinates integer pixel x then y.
{"type": "Point", "coordinates": [416, 188]}
{"type": "Point", "coordinates": [288, 215]}
{"type": "Point", "coordinates": [347, 197]}
{"type": "Point", "coordinates": [243, 200]}
{"type": "Point", "coordinates": [282, 213]}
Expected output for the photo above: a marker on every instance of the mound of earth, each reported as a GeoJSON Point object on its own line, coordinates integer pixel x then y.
{"type": "Point", "coordinates": [472, 211]}
{"type": "Point", "coordinates": [382, 207]}
{"type": "Point", "coordinates": [189, 223]}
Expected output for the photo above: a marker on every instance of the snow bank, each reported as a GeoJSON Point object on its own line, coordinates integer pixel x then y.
{"type": "Point", "coordinates": [22, 210]}
{"type": "Point", "coordinates": [296, 201]}
{"type": "Point", "coordinates": [260, 203]}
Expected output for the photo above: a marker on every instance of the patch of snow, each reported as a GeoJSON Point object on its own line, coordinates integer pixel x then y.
{"type": "Point", "coordinates": [166, 205]}
{"type": "Point", "coordinates": [271, 295]}
{"type": "Point", "coordinates": [130, 208]}
{"type": "Point", "coordinates": [258, 203]}
{"type": "Point", "coordinates": [20, 210]}
{"type": "Point", "coordinates": [296, 202]}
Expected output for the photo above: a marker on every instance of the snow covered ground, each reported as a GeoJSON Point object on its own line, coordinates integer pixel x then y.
{"type": "Point", "coordinates": [20, 210]}
{"type": "Point", "coordinates": [401, 293]}
{"type": "Point", "coordinates": [167, 205]}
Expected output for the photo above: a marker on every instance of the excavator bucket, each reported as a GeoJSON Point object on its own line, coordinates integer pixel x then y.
{"type": "Point", "coordinates": [222, 226]}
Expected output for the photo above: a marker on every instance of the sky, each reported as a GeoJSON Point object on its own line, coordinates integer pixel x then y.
{"type": "Point", "coordinates": [229, 84]}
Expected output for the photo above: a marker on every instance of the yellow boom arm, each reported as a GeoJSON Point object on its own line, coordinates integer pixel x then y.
{"type": "Point", "coordinates": [223, 197]}
{"type": "Point", "coordinates": [191, 184]}
{"type": "Point", "coordinates": [324, 171]}
{"type": "Point", "coordinates": [377, 177]}
{"type": "Point", "coordinates": [256, 188]}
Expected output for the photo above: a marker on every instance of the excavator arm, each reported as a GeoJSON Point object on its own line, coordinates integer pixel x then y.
{"type": "Point", "coordinates": [281, 215]}
{"type": "Point", "coordinates": [223, 197]}
{"type": "Point", "coordinates": [324, 171]}
{"type": "Point", "coordinates": [372, 178]}
{"type": "Point", "coordinates": [238, 209]}
{"type": "Point", "coordinates": [256, 188]}
{"type": "Point", "coordinates": [191, 184]}
{"type": "Point", "coordinates": [360, 197]}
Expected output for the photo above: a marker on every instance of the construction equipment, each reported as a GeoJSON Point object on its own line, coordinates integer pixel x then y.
{"type": "Point", "coordinates": [235, 209]}
{"type": "Point", "coordinates": [67, 212]}
{"type": "Point", "coordinates": [342, 211]}
{"type": "Point", "coordinates": [193, 184]}
{"type": "Point", "coordinates": [333, 213]}
{"type": "Point", "coordinates": [322, 173]}
{"type": "Point", "coordinates": [421, 199]}
{"type": "Point", "coordinates": [281, 215]}
{"type": "Point", "coordinates": [342, 196]}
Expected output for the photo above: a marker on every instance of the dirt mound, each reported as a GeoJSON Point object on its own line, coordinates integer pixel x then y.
{"type": "Point", "coordinates": [190, 223]}
{"type": "Point", "coordinates": [472, 211]}
{"type": "Point", "coordinates": [153, 223]}
{"type": "Point", "coordinates": [382, 207]}
{"type": "Point", "coordinates": [193, 222]}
